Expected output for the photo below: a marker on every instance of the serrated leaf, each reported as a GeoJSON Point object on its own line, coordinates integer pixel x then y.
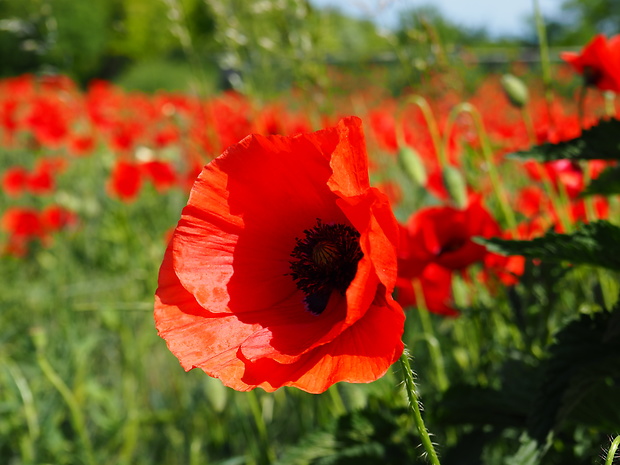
{"type": "Point", "coordinates": [607, 183]}
{"type": "Point", "coordinates": [600, 142]}
{"type": "Point", "coordinates": [373, 434]}
{"type": "Point", "coordinates": [482, 406]}
{"type": "Point", "coordinates": [528, 454]}
{"type": "Point", "coordinates": [581, 372]}
{"type": "Point", "coordinates": [596, 243]}
{"type": "Point", "coordinates": [316, 445]}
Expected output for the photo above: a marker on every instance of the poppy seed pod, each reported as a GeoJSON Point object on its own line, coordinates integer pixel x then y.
{"type": "Point", "coordinates": [515, 90]}
{"type": "Point", "coordinates": [455, 185]}
{"type": "Point", "coordinates": [412, 164]}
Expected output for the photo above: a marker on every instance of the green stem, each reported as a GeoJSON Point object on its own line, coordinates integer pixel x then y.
{"type": "Point", "coordinates": [529, 125]}
{"type": "Point", "coordinates": [30, 411]}
{"type": "Point", "coordinates": [338, 404]}
{"type": "Point", "coordinates": [487, 153]}
{"type": "Point", "coordinates": [77, 418]}
{"type": "Point", "coordinates": [431, 124]}
{"type": "Point", "coordinates": [612, 451]}
{"type": "Point", "coordinates": [414, 405]}
{"type": "Point", "coordinates": [259, 421]}
{"type": "Point", "coordinates": [545, 62]}
{"type": "Point", "coordinates": [559, 200]}
{"type": "Point", "coordinates": [429, 333]}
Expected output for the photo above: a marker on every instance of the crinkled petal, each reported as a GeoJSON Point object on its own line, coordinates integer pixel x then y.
{"type": "Point", "coordinates": [362, 353]}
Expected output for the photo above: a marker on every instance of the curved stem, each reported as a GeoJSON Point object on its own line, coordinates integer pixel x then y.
{"type": "Point", "coordinates": [76, 416]}
{"type": "Point", "coordinates": [487, 153]}
{"type": "Point", "coordinates": [414, 406]}
{"type": "Point", "coordinates": [431, 124]}
{"type": "Point", "coordinates": [30, 411]}
{"type": "Point", "coordinates": [612, 451]}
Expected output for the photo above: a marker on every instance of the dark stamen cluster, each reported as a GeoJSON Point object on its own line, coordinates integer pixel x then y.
{"type": "Point", "coordinates": [591, 75]}
{"type": "Point", "coordinates": [325, 260]}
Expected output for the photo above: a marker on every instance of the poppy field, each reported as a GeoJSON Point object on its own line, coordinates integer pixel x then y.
{"type": "Point", "coordinates": [233, 280]}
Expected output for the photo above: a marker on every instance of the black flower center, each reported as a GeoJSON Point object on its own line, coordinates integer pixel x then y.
{"type": "Point", "coordinates": [325, 260]}
{"type": "Point", "coordinates": [591, 75]}
{"type": "Point", "coordinates": [452, 246]}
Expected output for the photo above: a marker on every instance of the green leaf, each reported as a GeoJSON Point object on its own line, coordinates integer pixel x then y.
{"type": "Point", "coordinates": [596, 243]}
{"type": "Point", "coordinates": [607, 183]}
{"type": "Point", "coordinates": [581, 381]}
{"type": "Point", "coordinates": [528, 454]}
{"type": "Point", "coordinates": [502, 407]}
{"type": "Point", "coordinates": [377, 433]}
{"type": "Point", "coordinates": [600, 142]}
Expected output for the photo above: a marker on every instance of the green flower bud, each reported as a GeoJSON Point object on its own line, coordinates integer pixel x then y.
{"type": "Point", "coordinates": [455, 185]}
{"type": "Point", "coordinates": [515, 89]}
{"type": "Point", "coordinates": [411, 162]}
{"type": "Point", "coordinates": [38, 337]}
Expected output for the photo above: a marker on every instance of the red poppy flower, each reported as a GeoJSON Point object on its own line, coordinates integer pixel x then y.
{"type": "Point", "coordinates": [48, 121]}
{"type": "Point", "coordinates": [125, 134]}
{"type": "Point", "coordinates": [166, 136]}
{"type": "Point", "coordinates": [125, 181]}
{"type": "Point", "coordinates": [597, 63]}
{"type": "Point", "coordinates": [435, 184]}
{"type": "Point", "coordinates": [579, 213]}
{"type": "Point", "coordinates": [41, 180]}
{"type": "Point", "coordinates": [436, 286]}
{"type": "Point", "coordinates": [281, 268]}
{"type": "Point", "coordinates": [14, 180]}
{"type": "Point", "coordinates": [55, 218]}
{"type": "Point", "coordinates": [8, 115]}
{"type": "Point", "coordinates": [531, 201]}
{"type": "Point", "coordinates": [22, 222]}
{"type": "Point", "coordinates": [81, 144]}
{"type": "Point", "coordinates": [383, 125]}
{"type": "Point", "coordinates": [23, 225]}
{"type": "Point", "coordinates": [507, 269]}
{"type": "Point", "coordinates": [442, 235]}
{"type": "Point", "coordinates": [160, 173]}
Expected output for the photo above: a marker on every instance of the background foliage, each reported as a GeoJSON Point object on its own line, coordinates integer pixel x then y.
{"type": "Point", "coordinates": [528, 374]}
{"type": "Point", "coordinates": [243, 44]}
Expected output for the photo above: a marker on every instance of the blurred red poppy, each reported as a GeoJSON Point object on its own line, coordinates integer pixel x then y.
{"type": "Point", "coordinates": [443, 235]}
{"type": "Point", "coordinates": [14, 180]}
{"type": "Point", "coordinates": [47, 120]}
{"type": "Point", "coordinates": [598, 63]}
{"type": "Point", "coordinates": [22, 222]}
{"type": "Point", "coordinates": [23, 225]}
{"type": "Point", "coordinates": [531, 201]}
{"type": "Point", "coordinates": [281, 269]}
{"type": "Point", "coordinates": [435, 285]}
{"type": "Point", "coordinates": [125, 180]}
{"type": "Point", "coordinates": [55, 218]}
{"type": "Point", "coordinates": [81, 144]}
{"type": "Point", "coordinates": [41, 180]}
{"type": "Point", "coordinates": [160, 173]}
{"type": "Point", "coordinates": [8, 117]}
